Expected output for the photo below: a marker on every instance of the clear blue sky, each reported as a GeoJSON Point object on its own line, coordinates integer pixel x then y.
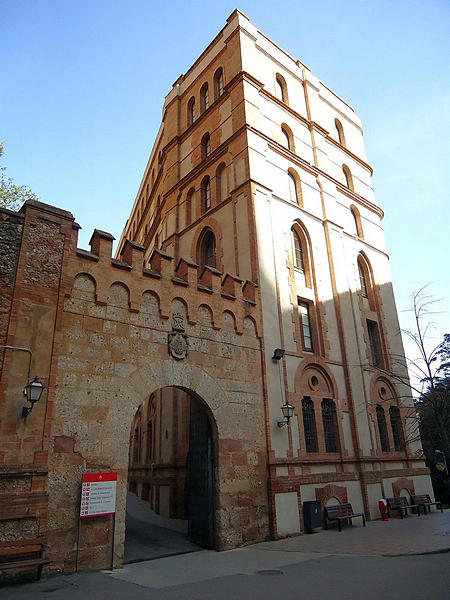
{"type": "Point", "coordinates": [82, 86]}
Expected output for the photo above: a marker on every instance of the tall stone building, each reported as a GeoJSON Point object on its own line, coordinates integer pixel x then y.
{"type": "Point", "coordinates": [251, 274]}
{"type": "Point", "coordinates": [260, 170]}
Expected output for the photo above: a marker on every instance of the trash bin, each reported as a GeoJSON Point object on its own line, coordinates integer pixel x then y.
{"type": "Point", "coordinates": [312, 515]}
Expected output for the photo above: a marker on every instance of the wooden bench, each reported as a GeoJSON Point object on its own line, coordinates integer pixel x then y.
{"type": "Point", "coordinates": [20, 555]}
{"type": "Point", "coordinates": [425, 501]}
{"type": "Point", "coordinates": [401, 504]}
{"type": "Point", "coordinates": [339, 513]}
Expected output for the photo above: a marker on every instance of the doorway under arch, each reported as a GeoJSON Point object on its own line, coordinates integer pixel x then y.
{"type": "Point", "coordinates": [171, 492]}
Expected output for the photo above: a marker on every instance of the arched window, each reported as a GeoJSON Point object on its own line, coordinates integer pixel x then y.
{"type": "Point", "coordinates": [281, 89]}
{"type": "Point", "coordinates": [397, 430]}
{"type": "Point", "coordinates": [189, 200]}
{"type": "Point", "coordinates": [204, 98]}
{"type": "Point", "coordinates": [206, 146]}
{"type": "Point", "coordinates": [309, 424]}
{"type": "Point", "coordinates": [221, 183]}
{"type": "Point", "coordinates": [218, 83]}
{"type": "Point", "coordinates": [191, 111]}
{"type": "Point", "coordinates": [295, 190]}
{"type": "Point", "coordinates": [340, 132]}
{"type": "Point", "coordinates": [153, 176]}
{"type": "Point", "coordinates": [205, 189]}
{"type": "Point", "coordinates": [330, 429]}
{"type": "Point", "coordinates": [357, 219]}
{"type": "Point", "coordinates": [348, 178]}
{"type": "Point", "coordinates": [207, 253]}
{"type": "Point", "coordinates": [297, 251]}
{"type": "Point", "coordinates": [362, 280]}
{"type": "Point", "coordinates": [288, 138]}
{"type": "Point", "coordinates": [382, 429]}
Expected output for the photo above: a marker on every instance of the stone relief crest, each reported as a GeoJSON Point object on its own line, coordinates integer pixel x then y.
{"type": "Point", "coordinates": [178, 340]}
{"type": "Point", "coordinates": [177, 321]}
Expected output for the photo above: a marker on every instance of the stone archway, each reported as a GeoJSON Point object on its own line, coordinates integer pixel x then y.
{"type": "Point", "coordinates": [133, 392]}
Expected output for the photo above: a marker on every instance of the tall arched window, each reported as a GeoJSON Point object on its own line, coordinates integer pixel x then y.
{"type": "Point", "coordinates": [189, 201]}
{"type": "Point", "coordinates": [288, 138]}
{"type": "Point", "coordinates": [218, 83]}
{"type": "Point", "coordinates": [221, 183]}
{"type": "Point", "coordinates": [330, 428]}
{"type": "Point", "coordinates": [295, 190]}
{"type": "Point", "coordinates": [357, 220]}
{"type": "Point", "coordinates": [204, 98]}
{"type": "Point", "coordinates": [397, 430]}
{"type": "Point", "coordinates": [207, 251]}
{"type": "Point", "coordinates": [206, 146]}
{"type": "Point", "coordinates": [297, 251]}
{"type": "Point", "coordinates": [309, 424]}
{"type": "Point", "coordinates": [281, 88]}
{"type": "Point", "coordinates": [362, 280]}
{"type": "Point", "coordinates": [340, 132]}
{"type": "Point", "coordinates": [191, 111]}
{"type": "Point", "coordinates": [348, 178]}
{"type": "Point", "coordinates": [205, 189]}
{"type": "Point", "coordinates": [382, 429]}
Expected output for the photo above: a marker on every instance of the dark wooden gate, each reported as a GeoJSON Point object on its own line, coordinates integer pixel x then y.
{"type": "Point", "coordinates": [200, 495]}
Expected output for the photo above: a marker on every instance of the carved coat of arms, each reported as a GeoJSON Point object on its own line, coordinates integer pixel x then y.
{"type": "Point", "coordinates": [177, 340]}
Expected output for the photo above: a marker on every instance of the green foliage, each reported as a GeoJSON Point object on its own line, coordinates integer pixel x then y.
{"type": "Point", "coordinates": [12, 196]}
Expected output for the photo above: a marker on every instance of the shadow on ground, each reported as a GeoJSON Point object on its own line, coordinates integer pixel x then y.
{"type": "Point", "coordinates": [150, 536]}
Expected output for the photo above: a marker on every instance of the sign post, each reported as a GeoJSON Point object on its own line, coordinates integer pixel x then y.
{"type": "Point", "coordinates": [98, 499]}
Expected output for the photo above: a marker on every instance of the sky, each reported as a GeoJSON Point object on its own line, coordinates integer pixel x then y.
{"type": "Point", "coordinates": [83, 83]}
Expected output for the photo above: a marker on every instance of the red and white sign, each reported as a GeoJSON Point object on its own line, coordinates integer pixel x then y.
{"type": "Point", "coordinates": [98, 494]}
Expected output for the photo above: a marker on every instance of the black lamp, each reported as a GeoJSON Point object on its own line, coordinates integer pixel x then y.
{"type": "Point", "coordinates": [278, 354]}
{"type": "Point", "coordinates": [288, 412]}
{"type": "Point", "coordinates": [33, 393]}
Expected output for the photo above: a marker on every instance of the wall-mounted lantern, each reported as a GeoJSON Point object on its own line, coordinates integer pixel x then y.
{"type": "Point", "coordinates": [33, 392]}
{"type": "Point", "coordinates": [278, 354]}
{"type": "Point", "coordinates": [288, 412]}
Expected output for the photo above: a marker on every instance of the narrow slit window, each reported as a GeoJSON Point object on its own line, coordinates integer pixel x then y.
{"type": "Point", "coordinates": [305, 323]}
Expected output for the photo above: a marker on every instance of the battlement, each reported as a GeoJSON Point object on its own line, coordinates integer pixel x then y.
{"type": "Point", "coordinates": [168, 279]}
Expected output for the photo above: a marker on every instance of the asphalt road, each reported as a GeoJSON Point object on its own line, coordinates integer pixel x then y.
{"type": "Point", "coordinates": [314, 577]}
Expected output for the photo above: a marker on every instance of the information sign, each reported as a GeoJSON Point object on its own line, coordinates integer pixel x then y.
{"type": "Point", "coordinates": [98, 494]}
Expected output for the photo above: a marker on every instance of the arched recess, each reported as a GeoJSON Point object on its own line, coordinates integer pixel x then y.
{"type": "Point", "coordinates": [281, 91]}
{"type": "Point", "coordinates": [119, 295]}
{"type": "Point", "coordinates": [288, 137]}
{"type": "Point", "coordinates": [357, 219]}
{"type": "Point", "coordinates": [191, 111]}
{"type": "Point", "coordinates": [335, 493]}
{"type": "Point", "coordinates": [340, 132]}
{"type": "Point", "coordinates": [205, 194]}
{"type": "Point", "coordinates": [348, 178]}
{"type": "Point", "coordinates": [190, 207]}
{"type": "Point", "coordinates": [383, 394]}
{"type": "Point", "coordinates": [204, 97]}
{"type": "Point", "coordinates": [209, 223]}
{"type": "Point", "coordinates": [295, 187]}
{"type": "Point", "coordinates": [316, 384]}
{"type": "Point", "coordinates": [221, 183]}
{"type": "Point", "coordinates": [218, 83]}
{"type": "Point", "coordinates": [84, 287]}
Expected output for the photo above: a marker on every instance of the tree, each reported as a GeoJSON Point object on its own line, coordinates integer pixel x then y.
{"type": "Point", "coordinates": [12, 196]}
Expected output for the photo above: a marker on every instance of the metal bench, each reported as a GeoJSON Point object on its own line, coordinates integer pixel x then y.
{"type": "Point", "coordinates": [20, 555]}
{"type": "Point", "coordinates": [401, 504]}
{"type": "Point", "coordinates": [339, 513]}
{"type": "Point", "coordinates": [425, 501]}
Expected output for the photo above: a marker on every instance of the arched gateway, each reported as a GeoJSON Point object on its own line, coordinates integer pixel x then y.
{"type": "Point", "coordinates": [124, 333]}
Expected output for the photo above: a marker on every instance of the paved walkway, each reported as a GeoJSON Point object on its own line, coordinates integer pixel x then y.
{"type": "Point", "coordinates": [412, 535]}
{"type": "Point", "coordinates": [397, 537]}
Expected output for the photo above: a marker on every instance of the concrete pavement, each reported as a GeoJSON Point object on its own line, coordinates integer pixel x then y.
{"type": "Point", "coordinates": [396, 560]}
